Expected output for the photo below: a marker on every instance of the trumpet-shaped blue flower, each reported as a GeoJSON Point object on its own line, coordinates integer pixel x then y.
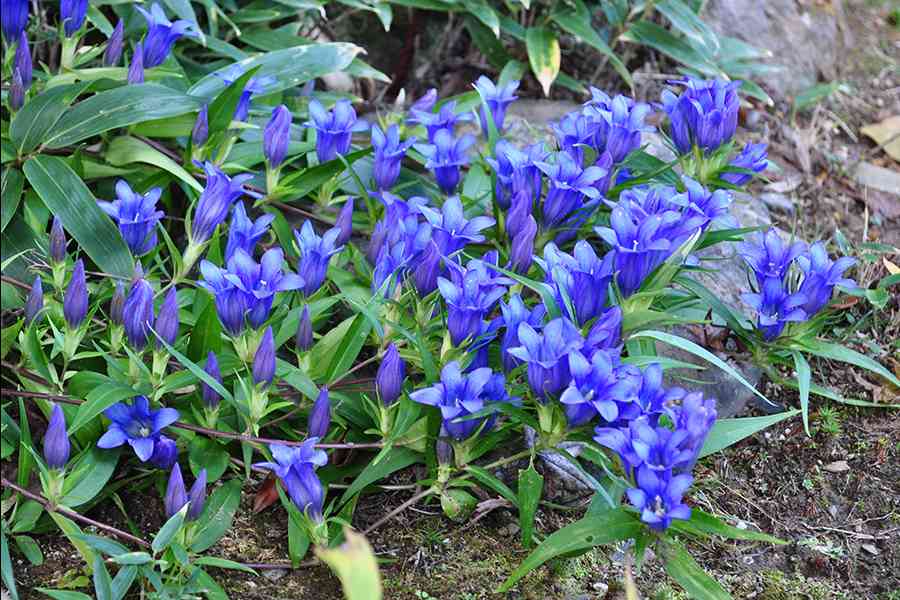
{"type": "Point", "coordinates": [754, 157]}
{"type": "Point", "coordinates": [304, 335]}
{"type": "Point", "coordinates": [264, 359]}
{"type": "Point", "coordinates": [320, 415]}
{"type": "Point", "coordinates": [136, 425]}
{"type": "Point", "coordinates": [72, 14]}
{"type": "Point", "coordinates": [112, 54]}
{"type": "Point", "coordinates": [296, 468]}
{"type": "Point", "coordinates": [35, 301]}
{"type": "Point", "coordinates": [471, 294]}
{"type": "Point", "coordinates": [570, 188]}
{"type": "Point", "coordinates": [165, 453]}
{"type": "Point", "coordinates": [445, 119]}
{"type": "Point", "coordinates": [402, 222]}
{"type": "Point", "coordinates": [575, 132]}
{"type": "Point", "coordinates": [498, 98]}
{"type": "Point", "coordinates": [776, 307]}
{"type": "Point", "coordinates": [138, 313]}
{"type": "Point", "coordinates": [704, 115]}
{"type": "Point", "coordinates": [515, 313]}
{"type": "Point", "coordinates": [117, 305]}
{"type": "Point", "coordinates": [768, 256]}
{"type": "Point", "coordinates": [167, 321]}
{"type": "Point", "coordinates": [22, 60]}
{"type": "Point", "coordinates": [315, 254]}
{"type": "Point", "coordinates": [162, 35]}
{"type": "Point", "coordinates": [243, 233]}
{"type": "Point", "coordinates": [211, 397]}
{"type": "Point", "coordinates": [16, 91]}
{"type": "Point", "coordinates": [606, 332]}
{"type": "Point", "coordinates": [75, 301]}
{"type": "Point", "coordinates": [521, 253]}
{"type": "Point", "coordinates": [136, 216]}
{"type": "Point", "coordinates": [277, 136]}
{"type": "Point", "coordinates": [176, 494]}
{"type": "Point", "coordinates": [220, 193]}
{"type": "Point", "coordinates": [13, 18]}
{"type": "Point", "coordinates": [820, 276]}
{"type": "Point", "coordinates": [56, 440]}
{"type": "Point", "coordinates": [334, 129]}
{"type": "Point", "coordinates": [581, 278]}
{"type": "Point", "coordinates": [446, 155]}
{"type": "Point", "coordinates": [658, 497]}
{"type": "Point", "coordinates": [254, 86]}
{"type": "Point", "coordinates": [547, 355]}
{"type": "Point", "coordinates": [136, 68]}
{"type": "Point", "coordinates": [391, 373]}
{"type": "Point", "coordinates": [450, 228]}
{"type": "Point", "coordinates": [57, 241]}
{"type": "Point", "coordinates": [516, 171]}
{"type": "Point", "coordinates": [344, 222]}
{"type": "Point", "coordinates": [427, 270]}
{"type": "Point", "coordinates": [620, 123]}
{"type": "Point", "coordinates": [200, 131]}
{"type": "Point", "coordinates": [599, 386]}
{"type": "Point", "coordinates": [638, 245]}
{"type": "Point", "coordinates": [389, 153]}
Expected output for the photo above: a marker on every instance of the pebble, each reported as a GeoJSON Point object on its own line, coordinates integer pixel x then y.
{"type": "Point", "coordinates": [779, 202]}
{"type": "Point", "coordinates": [838, 466]}
{"type": "Point", "coordinates": [601, 588]}
{"type": "Point", "coordinates": [274, 574]}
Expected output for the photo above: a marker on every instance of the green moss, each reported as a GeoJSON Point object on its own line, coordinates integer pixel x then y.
{"type": "Point", "coordinates": [780, 586]}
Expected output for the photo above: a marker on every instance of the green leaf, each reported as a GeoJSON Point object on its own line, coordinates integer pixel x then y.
{"type": "Point", "coordinates": [206, 453]}
{"type": "Point", "coordinates": [816, 94]}
{"type": "Point", "coordinates": [355, 565]}
{"type": "Point", "coordinates": [846, 355]}
{"type": "Point", "coordinates": [30, 549]}
{"type": "Point", "coordinates": [206, 334]}
{"type": "Point", "coordinates": [63, 594]}
{"type": "Point", "coordinates": [655, 36]}
{"type": "Point", "coordinates": [217, 516]}
{"type": "Point", "coordinates": [221, 110]}
{"type": "Point", "coordinates": [104, 393]}
{"type": "Point", "coordinates": [126, 150]}
{"type": "Point", "coordinates": [482, 11]}
{"type": "Point", "coordinates": [691, 347]}
{"type": "Point", "coordinates": [290, 67]}
{"type": "Point", "coordinates": [116, 108]}
{"type": "Point", "coordinates": [167, 532]}
{"type": "Point", "coordinates": [223, 563]}
{"type": "Point", "coordinates": [705, 523]}
{"type": "Point", "coordinates": [543, 55]}
{"type": "Point", "coordinates": [132, 558]}
{"type": "Point", "coordinates": [30, 125]}
{"type": "Point", "coordinates": [804, 375]}
{"type": "Point", "coordinates": [95, 469]}
{"type": "Point", "coordinates": [486, 479]}
{"type": "Point", "coordinates": [9, 579]}
{"type": "Point", "coordinates": [121, 583]}
{"type": "Point", "coordinates": [578, 23]}
{"type": "Point", "coordinates": [688, 23]}
{"type": "Point", "coordinates": [726, 432]}
{"type": "Point", "coordinates": [72, 531]}
{"type": "Point", "coordinates": [605, 528]}
{"type": "Point", "coordinates": [66, 196]}
{"type": "Point", "coordinates": [10, 193]}
{"type": "Point", "coordinates": [696, 582]}
{"type": "Point", "coordinates": [531, 485]}
{"type": "Point", "coordinates": [393, 459]}
{"type": "Point", "coordinates": [102, 580]}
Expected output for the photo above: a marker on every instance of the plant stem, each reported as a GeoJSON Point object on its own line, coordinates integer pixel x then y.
{"type": "Point", "coordinates": [631, 591]}
{"type": "Point", "coordinates": [399, 510]}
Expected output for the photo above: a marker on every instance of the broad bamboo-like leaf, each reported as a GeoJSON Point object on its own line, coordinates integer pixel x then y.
{"type": "Point", "coordinates": [543, 55]}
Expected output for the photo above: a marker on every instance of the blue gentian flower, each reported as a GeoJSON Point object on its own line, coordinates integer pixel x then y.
{"type": "Point", "coordinates": [277, 136]}
{"type": "Point", "coordinates": [389, 153]}
{"type": "Point", "coordinates": [200, 131]}
{"type": "Point", "coordinates": [450, 228]}
{"type": "Point", "coordinates": [136, 425]}
{"type": "Point", "coordinates": [401, 223]}
{"type": "Point", "coordinates": [704, 207]}
{"type": "Point", "coordinates": [457, 395]}
{"type": "Point", "coordinates": [704, 115]}
{"type": "Point", "coordinates": [264, 360]}
{"type": "Point", "coordinates": [165, 453]}
{"type": "Point", "coordinates": [658, 497]}
{"type": "Point", "coordinates": [391, 266]}
{"type": "Point", "coordinates": [117, 305]}
{"type": "Point", "coordinates": [56, 440]}
{"type": "Point", "coordinates": [304, 335]}
{"type": "Point", "coordinates": [582, 278]}
{"type": "Point", "coordinates": [653, 397]}
{"type": "Point", "coordinates": [243, 233]}
{"type": "Point", "coordinates": [470, 294]}
{"type": "Point", "coordinates": [296, 468]}
{"type": "Point", "coordinates": [820, 276]}
{"type": "Point", "coordinates": [606, 332]}
{"type": "Point", "coordinates": [768, 256]}
{"type": "Point", "coordinates": [344, 222]}
{"type": "Point", "coordinates": [136, 216]}
{"type": "Point", "coordinates": [426, 102]}
{"type": "Point", "coordinates": [167, 321]}
{"type": "Point", "coordinates": [57, 241]}
{"type": "Point", "coordinates": [161, 35]}
{"type": "Point", "coordinates": [114, 45]}
{"type": "Point", "coordinates": [445, 119]}
{"type": "Point", "coordinates": [320, 415]}
{"type": "Point", "coordinates": [776, 307]}
{"type": "Point", "coordinates": [620, 123]}
{"type": "Point", "coordinates": [315, 253]}
{"type": "Point", "coordinates": [547, 355]}
{"type": "Point", "coordinates": [197, 497]}
{"type": "Point", "coordinates": [513, 169]}
{"type": "Point", "coordinates": [16, 91]}
{"type": "Point", "coordinates": [601, 387]}
{"type": "Point", "coordinates": [211, 397]}
{"type": "Point", "coordinates": [445, 156]}
{"type": "Point", "coordinates": [75, 301]}
{"type": "Point", "coordinates": [254, 86]}
{"type": "Point", "coordinates": [72, 14]}
{"type": "Point", "coordinates": [521, 253]}
{"type": "Point", "coordinates": [520, 211]}
{"type": "Point", "coordinates": [754, 157]}
{"type": "Point", "coordinates": [575, 132]}
{"type": "Point", "coordinates": [35, 301]}
{"type": "Point", "coordinates": [136, 68]}
{"type": "Point", "coordinates": [176, 494]}
{"type": "Point", "coordinates": [138, 313]}
{"type": "Point", "coordinates": [220, 193]}
{"type": "Point", "coordinates": [427, 270]}
{"type": "Point", "coordinates": [497, 98]}
{"type": "Point", "coordinates": [13, 18]}
{"type": "Point", "coordinates": [570, 187]}
{"type": "Point", "coordinates": [334, 129]}
{"type": "Point", "coordinates": [390, 376]}
{"type": "Point", "coordinates": [695, 415]}
{"type": "Point", "coordinates": [514, 313]}
{"type": "Point", "coordinates": [638, 246]}
{"type": "Point", "coordinates": [22, 60]}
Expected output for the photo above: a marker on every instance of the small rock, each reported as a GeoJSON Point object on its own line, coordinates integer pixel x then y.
{"type": "Point", "coordinates": [509, 530]}
{"type": "Point", "coordinates": [777, 201]}
{"type": "Point", "coordinates": [871, 549]}
{"type": "Point", "coordinates": [274, 574]}
{"type": "Point", "coordinates": [601, 588]}
{"type": "Point", "coordinates": [838, 466]}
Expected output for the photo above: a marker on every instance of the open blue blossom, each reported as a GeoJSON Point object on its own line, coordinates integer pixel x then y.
{"type": "Point", "coordinates": [498, 98]}
{"type": "Point", "coordinates": [547, 355]}
{"type": "Point", "coordinates": [638, 246]}
{"type": "Point", "coordinates": [136, 425]}
{"type": "Point", "coordinates": [653, 397]}
{"type": "Point", "coordinates": [402, 222]}
{"type": "Point", "coordinates": [220, 193]}
{"type": "Point", "coordinates": [694, 414]}
{"type": "Point", "coordinates": [470, 294]}
{"type": "Point", "coordinates": [389, 153]}
{"type": "Point", "coordinates": [445, 119]}
{"type": "Point", "coordinates": [445, 156]}
{"type": "Point", "coordinates": [56, 440]}
{"type": "Point", "coordinates": [450, 228]}
{"type": "Point", "coordinates": [704, 207]}
{"type": "Point", "coordinates": [575, 132]}
{"type": "Point", "coordinates": [315, 253]}
{"type": "Point", "coordinates": [600, 387]}
{"type": "Point", "coordinates": [515, 313]}
{"type": "Point", "coordinates": [516, 171]}
{"type": "Point", "coordinates": [296, 468]}
{"type": "Point", "coordinates": [570, 188]}
{"type": "Point", "coordinates": [243, 233]}
{"type": "Point", "coordinates": [768, 256]}
{"type": "Point", "coordinates": [138, 313]}
{"type": "Point", "coordinates": [704, 115]}
{"type": "Point", "coordinates": [658, 497]}
{"type": "Point", "coordinates": [75, 300]}
{"type": "Point", "coordinates": [391, 266]}
{"type": "Point", "coordinates": [334, 129]}
{"type": "Point", "coordinates": [606, 332]}
{"type": "Point", "coordinates": [426, 102]}
{"type": "Point", "coordinates": [580, 278]}
{"type": "Point", "coordinates": [820, 276]}
{"type": "Point", "coordinates": [754, 157]}
{"type": "Point", "coordinates": [458, 395]}
{"type": "Point", "coordinates": [776, 307]}
{"type": "Point", "coordinates": [254, 86]}
{"type": "Point", "coordinates": [13, 18]}
{"type": "Point", "coordinates": [620, 123]}
{"type": "Point", "coordinates": [136, 216]}
{"type": "Point", "coordinates": [162, 35]}
{"type": "Point", "coordinates": [72, 14]}
{"type": "Point", "coordinates": [277, 136]}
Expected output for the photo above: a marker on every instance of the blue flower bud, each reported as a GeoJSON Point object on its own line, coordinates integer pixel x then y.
{"type": "Point", "coordinates": [214, 203]}
{"type": "Point", "coordinates": [277, 136]}
{"type": "Point", "coordinates": [117, 305]}
{"type": "Point", "coordinates": [114, 45]}
{"type": "Point", "coordinates": [304, 337]}
{"type": "Point", "coordinates": [200, 132]}
{"type": "Point", "coordinates": [56, 440]}
{"type": "Point", "coordinates": [521, 254]}
{"type": "Point", "coordinates": [197, 496]}
{"type": "Point", "coordinates": [391, 373]}
{"type": "Point", "coordinates": [320, 415]}
{"type": "Point", "coordinates": [344, 222]}
{"type": "Point", "coordinates": [165, 453]}
{"type": "Point", "coordinates": [136, 68]}
{"type": "Point", "coordinates": [389, 153]}
{"type": "Point", "coordinates": [138, 313]}
{"type": "Point", "coordinates": [167, 320]}
{"type": "Point", "coordinates": [16, 91]}
{"type": "Point", "coordinates": [264, 359]}
{"type": "Point", "coordinates": [161, 35]}
{"type": "Point", "coordinates": [176, 496]}
{"type": "Point", "coordinates": [22, 60]}
{"type": "Point", "coordinates": [57, 242]}
{"type": "Point", "coordinates": [211, 397]}
{"type": "Point", "coordinates": [75, 302]}
{"type": "Point", "coordinates": [13, 18]}
{"type": "Point", "coordinates": [35, 301]}
{"type": "Point", "coordinates": [72, 14]}
{"type": "Point", "coordinates": [426, 273]}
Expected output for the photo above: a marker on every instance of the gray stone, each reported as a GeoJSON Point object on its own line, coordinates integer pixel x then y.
{"type": "Point", "coordinates": [802, 37]}
{"type": "Point", "coordinates": [778, 202]}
